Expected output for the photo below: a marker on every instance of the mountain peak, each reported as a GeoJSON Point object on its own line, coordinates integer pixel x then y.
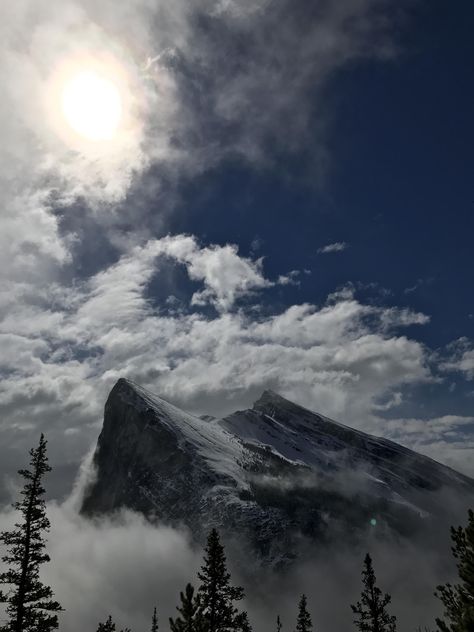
{"type": "Point", "coordinates": [126, 389]}
{"type": "Point", "coordinates": [269, 401]}
{"type": "Point", "coordinates": [270, 397]}
{"type": "Point", "coordinates": [248, 471]}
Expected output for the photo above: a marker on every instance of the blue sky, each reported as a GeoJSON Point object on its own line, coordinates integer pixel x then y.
{"type": "Point", "coordinates": [287, 203]}
{"type": "Point", "coordinates": [398, 187]}
{"type": "Point", "coordinates": [396, 190]}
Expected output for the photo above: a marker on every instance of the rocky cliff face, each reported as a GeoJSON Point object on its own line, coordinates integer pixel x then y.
{"type": "Point", "coordinates": [276, 474]}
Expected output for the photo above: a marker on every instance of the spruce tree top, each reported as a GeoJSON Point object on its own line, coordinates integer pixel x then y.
{"type": "Point", "coordinates": [216, 594]}
{"type": "Point", "coordinates": [108, 626]}
{"type": "Point", "coordinates": [189, 619]}
{"type": "Point", "coordinates": [154, 621]}
{"type": "Point", "coordinates": [371, 610]}
{"type": "Point", "coordinates": [303, 623]}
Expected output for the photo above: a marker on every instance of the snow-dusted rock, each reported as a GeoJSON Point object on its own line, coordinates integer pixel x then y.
{"type": "Point", "coordinates": [277, 474]}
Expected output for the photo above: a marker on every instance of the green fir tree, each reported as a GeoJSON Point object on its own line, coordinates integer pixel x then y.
{"type": "Point", "coordinates": [458, 600]}
{"type": "Point", "coordinates": [371, 610]}
{"type": "Point", "coordinates": [303, 622]}
{"type": "Point", "coordinates": [216, 594]}
{"type": "Point", "coordinates": [30, 606]}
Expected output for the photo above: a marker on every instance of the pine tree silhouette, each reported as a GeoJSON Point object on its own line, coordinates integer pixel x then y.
{"type": "Point", "coordinates": [303, 623]}
{"type": "Point", "coordinates": [108, 626]}
{"type": "Point", "coordinates": [30, 605]}
{"type": "Point", "coordinates": [279, 626]}
{"type": "Point", "coordinates": [189, 619]}
{"type": "Point", "coordinates": [372, 607]}
{"type": "Point", "coordinates": [216, 594]}
{"type": "Point", "coordinates": [154, 621]}
{"type": "Point", "coordinates": [458, 600]}
{"type": "Point", "coordinates": [242, 622]}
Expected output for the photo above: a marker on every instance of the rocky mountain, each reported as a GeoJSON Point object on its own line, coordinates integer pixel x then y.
{"type": "Point", "coordinates": [277, 474]}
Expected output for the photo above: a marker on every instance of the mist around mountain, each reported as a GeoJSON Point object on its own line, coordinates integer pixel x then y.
{"type": "Point", "coordinates": [298, 499]}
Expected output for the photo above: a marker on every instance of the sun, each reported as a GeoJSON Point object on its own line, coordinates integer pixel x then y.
{"type": "Point", "coordinates": [91, 105]}
{"type": "Point", "coordinates": [94, 103]}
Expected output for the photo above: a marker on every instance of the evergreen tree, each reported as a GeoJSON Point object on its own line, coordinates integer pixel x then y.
{"type": "Point", "coordinates": [303, 623]}
{"type": "Point", "coordinates": [458, 600]}
{"type": "Point", "coordinates": [242, 622]}
{"type": "Point", "coordinates": [108, 626]}
{"type": "Point", "coordinates": [216, 594]}
{"type": "Point", "coordinates": [189, 611]}
{"type": "Point", "coordinates": [154, 621]}
{"type": "Point", "coordinates": [371, 610]}
{"type": "Point", "coordinates": [279, 626]}
{"type": "Point", "coordinates": [30, 605]}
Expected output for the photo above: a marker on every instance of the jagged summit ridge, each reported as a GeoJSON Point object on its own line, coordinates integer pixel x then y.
{"type": "Point", "coordinates": [274, 473]}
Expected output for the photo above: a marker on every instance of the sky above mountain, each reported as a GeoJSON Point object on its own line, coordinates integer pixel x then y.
{"type": "Point", "coordinates": [218, 197]}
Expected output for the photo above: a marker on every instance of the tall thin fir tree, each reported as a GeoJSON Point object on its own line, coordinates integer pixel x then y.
{"type": "Point", "coordinates": [371, 610]}
{"type": "Point", "coordinates": [458, 600]}
{"type": "Point", "coordinates": [216, 594]}
{"type": "Point", "coordinates": [154, 621]}
{"type": "Point", "coordinates": [189, 619]}
{"type": "Point", "coordinates": [30, 604]}
{"type": "Point", "coordinates": [279, 626]}
{"type": "Point", "coordinates": [303, 622]}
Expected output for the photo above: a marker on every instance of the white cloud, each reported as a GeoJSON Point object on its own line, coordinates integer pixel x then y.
{"type": "Point", "coordinates": [461, 358]}
{"type": "Point", "coordinates": [226, 275]}
{"type": "Point", "coordinates": [342, 358]}
{"type": "Point", "coordinates": [447, 439]}
{"type": "Point", "coordinates": [337, 246]}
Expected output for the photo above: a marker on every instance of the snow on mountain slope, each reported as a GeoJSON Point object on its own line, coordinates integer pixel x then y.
{"type": "Point", "coordinates": [274, 474]}
{"type": "Point", "coordinates": [221, 449]}
{"type": "Point", "coordinates": [312, 439]}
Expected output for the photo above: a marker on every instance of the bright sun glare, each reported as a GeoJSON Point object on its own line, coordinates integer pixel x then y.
{"type": "Point", "coordinates": [92, 105]}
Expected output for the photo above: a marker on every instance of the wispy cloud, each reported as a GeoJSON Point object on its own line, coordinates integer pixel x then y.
{"type": "Point", "coordinates": [460, 358]}
{"type": "Point", "coordinates": [337, 246]}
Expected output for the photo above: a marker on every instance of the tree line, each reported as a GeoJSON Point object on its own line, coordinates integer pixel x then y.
{"type": "Point", "coordinates": [212, 607]}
